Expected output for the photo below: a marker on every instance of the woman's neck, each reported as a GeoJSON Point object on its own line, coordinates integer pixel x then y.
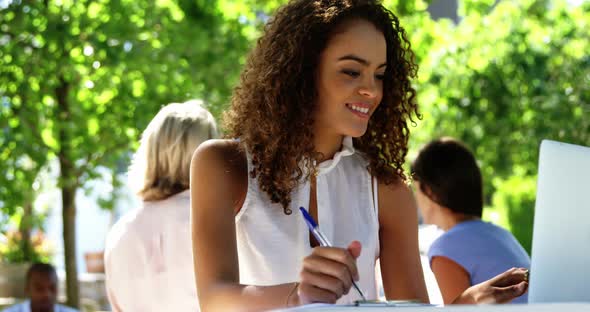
{"type": "Point", "coordinates": [452, 219]}
{"type": "Point", "coordinates": [327, 144]}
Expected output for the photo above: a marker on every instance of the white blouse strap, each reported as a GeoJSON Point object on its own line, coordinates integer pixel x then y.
{"type": "Point", "coordinates": [376, 195]}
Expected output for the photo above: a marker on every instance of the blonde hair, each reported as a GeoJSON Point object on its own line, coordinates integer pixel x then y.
{"type": "Point", "coordinates": [160, 167]}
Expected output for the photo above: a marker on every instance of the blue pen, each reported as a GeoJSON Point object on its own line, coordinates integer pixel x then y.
{"type": "Point", "coordinates": [323, 240]}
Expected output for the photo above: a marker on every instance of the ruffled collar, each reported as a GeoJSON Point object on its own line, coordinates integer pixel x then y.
{"type": "Point", "coordinates": [346, 150]}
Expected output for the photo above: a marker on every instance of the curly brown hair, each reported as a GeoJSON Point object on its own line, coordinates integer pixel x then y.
{"type": "Point", "coordinates": [273, 106]}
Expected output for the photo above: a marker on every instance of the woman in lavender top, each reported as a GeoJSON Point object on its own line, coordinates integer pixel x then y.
{"type": "Point", "coordinates": [449, 193]}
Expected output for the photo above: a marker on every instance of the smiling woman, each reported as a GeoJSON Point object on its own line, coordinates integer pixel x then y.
{"type": "Point", "coordinates": [274, 107]}
{"type": "Point", "coordinates": [350, 81]}
{"type": "Point", "coordinates": [319, 120]}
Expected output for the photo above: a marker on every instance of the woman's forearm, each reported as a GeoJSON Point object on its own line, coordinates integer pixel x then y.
{"type": "Point", "coordinates": [235, 297]}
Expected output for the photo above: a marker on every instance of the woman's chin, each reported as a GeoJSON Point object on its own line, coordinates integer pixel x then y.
{"type": "Point", "coordinates": [357, 132]}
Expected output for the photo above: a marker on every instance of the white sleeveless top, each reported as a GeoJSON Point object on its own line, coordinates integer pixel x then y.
{"type": "Point", "coordinates": [272, 245]}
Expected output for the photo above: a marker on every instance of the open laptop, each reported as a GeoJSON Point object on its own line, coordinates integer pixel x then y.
{"type": "Point", "coordinates": [560, 260]}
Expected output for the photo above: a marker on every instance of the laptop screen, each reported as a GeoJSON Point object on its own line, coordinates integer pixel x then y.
{"type": "Point", "coordinates": [560, 256]}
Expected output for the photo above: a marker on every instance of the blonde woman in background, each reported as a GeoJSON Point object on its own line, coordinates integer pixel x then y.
{"type": "Point", "coordinates": [148, 260]}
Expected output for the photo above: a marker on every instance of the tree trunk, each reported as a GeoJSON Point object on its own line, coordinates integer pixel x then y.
{"type": "Point", "coordinates": [69, 236]}
{"type": "Point", "coordinates": [69, 185]}
{"type": "Point", "coordinates": [25, 231]}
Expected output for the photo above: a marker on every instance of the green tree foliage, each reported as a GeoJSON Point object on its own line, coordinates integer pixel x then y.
{"type": "Point", "coordinates": [504, 81]}
{"type": "Point", "coordinates": [512, 205]}
{"type": "Point", "coordinates": [505, 78]}
{"type": "Point", "coordinates": [79, 78]}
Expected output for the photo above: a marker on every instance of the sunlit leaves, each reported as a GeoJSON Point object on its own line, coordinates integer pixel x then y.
{"type": "Point", "coordinates": [120, 61]}
{"type": "Point", "coordinates": [93, 126]}
{"type": "Point", "coordinates": [94, 10]}
{"type": "Point", "coordinates": [48, 136]}
{"type": "Point", "coordinates": [504, 78]}
{"type": "Point", "coordinates": [497, 69]}
{"type": "Point", "coordinates": [406, 7]}
{"type": "Point", "coordinates": [475, 7]}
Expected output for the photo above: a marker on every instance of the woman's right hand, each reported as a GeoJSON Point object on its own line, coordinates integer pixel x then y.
{"type": "Point", "coordinates": [502, 288]}
{"type": "Point", "coordinates": [327, 273]}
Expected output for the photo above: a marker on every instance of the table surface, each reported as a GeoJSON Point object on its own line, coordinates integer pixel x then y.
{"type": "Point", "coordinates": [540, 307]}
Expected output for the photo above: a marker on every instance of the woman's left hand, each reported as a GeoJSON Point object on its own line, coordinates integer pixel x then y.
{"type": "Point", "coordinates": [502, 288]}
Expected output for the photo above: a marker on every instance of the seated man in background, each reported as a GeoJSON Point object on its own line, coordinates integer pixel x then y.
{"type": "Point", "coordinates": [41, 289]}
{"type": "Point", "coordinates": [449, 193]}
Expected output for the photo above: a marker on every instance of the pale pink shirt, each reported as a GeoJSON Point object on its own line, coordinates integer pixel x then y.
{"type": "Point", "coordinates": [148, 258]}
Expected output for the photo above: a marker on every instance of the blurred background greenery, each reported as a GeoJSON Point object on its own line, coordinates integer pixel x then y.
{"type": "Point", "coordinates": [80, 79]}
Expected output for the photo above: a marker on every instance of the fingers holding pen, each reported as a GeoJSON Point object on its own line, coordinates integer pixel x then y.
{"type": "Point", "coordinates": [327, 271]}
{"type": "Point", "coordinates": [309, 294]}
{"type": "Point", "coordinates": [342, 256]}
{"type": "Point", "coordinates": [324, 282]}
{"type": "Point", "coordinates": [326, 275]}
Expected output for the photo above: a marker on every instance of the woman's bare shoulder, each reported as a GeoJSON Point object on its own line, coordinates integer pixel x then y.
{"type": "Point", "coordinates": [221, 147]}
{"type": "Point", "coordinates": [396, 201]}
{"type": "Point", "coordinates": [220, 152]}
{"type": "Point", "coordinates": [222, 161]}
